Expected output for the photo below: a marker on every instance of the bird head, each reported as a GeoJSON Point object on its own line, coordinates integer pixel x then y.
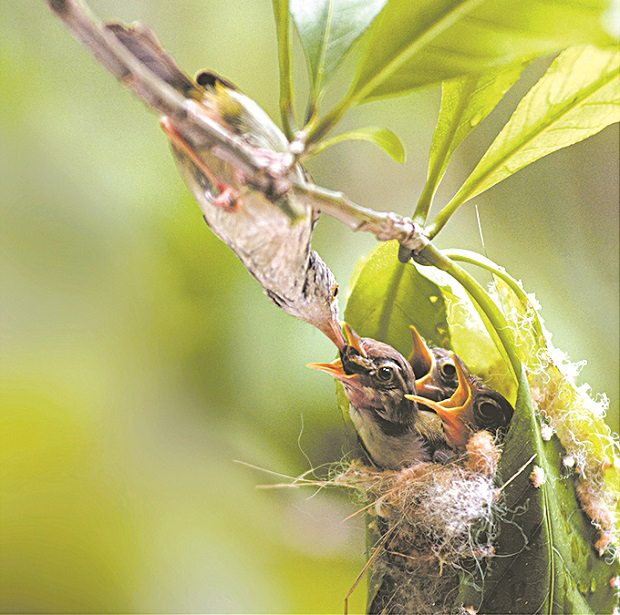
{"type": "Point", "coordinates": [322, 301]}
{"type": "Point", "coordinates": [434, 368]}
{"type": "Point", "coordinates": [472, 407]}
{"type": "Point", "coordinates": [375, 377]}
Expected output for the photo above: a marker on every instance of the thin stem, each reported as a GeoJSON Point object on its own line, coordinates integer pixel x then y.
{"type": "Point", "coordinates": [317, 131]}
{"type": "Point", "coordinates": [444, 215]}
{"type": "Point", "coordinates": [426, 198]}
{"type": "Point", "coordinates": [480, 296]}
{"type": "Point", "coordinates": [281, 12]}
{"type": "Point", "coordinates": [472, 258]}
{"type": "Point", "coordinates": [385, 226]}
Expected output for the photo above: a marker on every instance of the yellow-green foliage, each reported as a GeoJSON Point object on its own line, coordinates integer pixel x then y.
{"type": "Point", "coordinates": [571, 412]}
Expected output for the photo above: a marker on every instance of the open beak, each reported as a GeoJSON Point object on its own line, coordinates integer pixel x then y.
{"type": "Point", "coordinates": [424, 386]}
{"type": "Point", "coordinates": [335, 369]}
{"type": "Point", "coordinates": [463, 395]}
{"type": "Point", "coordinates": [333, 331]}
{"type": "Point", "coordinates": [353, 339]}
{"type": "Point", "coordinates": [455, 412]}
{"type": "Point", "coordinates": [421, 355]}
{"type": "Point", "coordinates": [420, 350]}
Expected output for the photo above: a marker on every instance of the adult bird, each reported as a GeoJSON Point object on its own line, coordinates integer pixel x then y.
{"type": "Point", "coordinates": [270, 235]}
{"type": "Point", "coordinates": [393, 430]}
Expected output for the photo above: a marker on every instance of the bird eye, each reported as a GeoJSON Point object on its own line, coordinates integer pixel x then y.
{"type": "Point", "coordinates": [448, 369]}
{"type": "Point", "coordinates": [335, 294]}
{"type": "Point", "coordinates": [385, 373]}
{"type": "Point", "coordinates": [491, 413]}
{"type": "Point", "coordinates": [447, 372]}
{"type": "Point", "coordinates": [488, 409]}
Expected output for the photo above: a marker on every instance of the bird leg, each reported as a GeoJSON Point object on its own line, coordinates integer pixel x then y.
{"type": "Point", "coordinates": [228, 197]}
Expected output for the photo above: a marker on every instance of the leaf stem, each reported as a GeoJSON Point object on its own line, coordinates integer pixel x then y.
{"type": "Point", "coordinates": [472, 258]}
{"type": "Point", "coordinates": [281, 12]}
{"type": "Point", "coordinates": [444, 215]}
{"type": "Point", "coordinates": [318, 130]}
{"type": "Point", "coordinates": [431, 255]}
{"type": "Point", "coordinates": [426, 198]}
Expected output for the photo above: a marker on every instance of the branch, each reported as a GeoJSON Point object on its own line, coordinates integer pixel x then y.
{"type": "Point", "coordinates": [270, 175]}
{"type": "Point", "coordinates": [188, 116]}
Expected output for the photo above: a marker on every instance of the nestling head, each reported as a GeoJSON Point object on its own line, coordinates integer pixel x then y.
{"type": "Point", "coordinates": [375, 377]}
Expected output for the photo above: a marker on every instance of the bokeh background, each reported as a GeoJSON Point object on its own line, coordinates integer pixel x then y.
{"type": "Point", "coordinates": [139, 359]}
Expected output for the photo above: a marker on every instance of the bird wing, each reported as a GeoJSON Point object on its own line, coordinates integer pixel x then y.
{"type": "Point", "coordinates": [143, 44]}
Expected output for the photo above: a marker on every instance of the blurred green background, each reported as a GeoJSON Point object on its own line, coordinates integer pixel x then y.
{"type": "Point", "coordinates": [139, 359]}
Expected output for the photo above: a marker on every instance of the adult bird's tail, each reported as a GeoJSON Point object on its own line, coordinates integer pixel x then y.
{"type": "Point", "coordinates": [143, 44]}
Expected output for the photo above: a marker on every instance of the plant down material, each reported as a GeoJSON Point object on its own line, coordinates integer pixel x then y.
{"type": "Point", "coordinates": [552, 538]}
{"type": "Point", "coordinates": [433, 522]}
{"type": "Point", "coordinates": [575, 416]}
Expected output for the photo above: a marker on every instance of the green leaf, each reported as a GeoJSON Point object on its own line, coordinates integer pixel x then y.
{"type": "Point", "coordinates": [544, 559]}
{"type": "Point", "coordinates": [388, 296]}
{"type": "Point", "coordinates": [570, 409]}
{"type": "Point", "coordinates": [281, 14]}
{"type": "Point", "coordinates": [576, 98]}
{"type": "Point", "coordinates": [383, 137]}
{"type": "Point", "coordinates": [416, 43]}
{"type": "Point", "coordinates": [328, 29]}
{"type": "Point", "coordinates": [465, 102]}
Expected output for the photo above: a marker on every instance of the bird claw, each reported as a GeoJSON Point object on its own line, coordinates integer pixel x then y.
{"type": "Point", "coordinates": [228, 199]}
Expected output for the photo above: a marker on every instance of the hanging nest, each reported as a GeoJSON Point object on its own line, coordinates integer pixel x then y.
{"type": "Point", "coordinates": [431, 523]}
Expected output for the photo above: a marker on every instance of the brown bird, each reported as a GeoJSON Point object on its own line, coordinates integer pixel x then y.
{"type": "Point", "coordinates": [434, 368]}
{"type": "Point", "coordinates": [271, 237]}
{"type": "Point", "coordinates": [472, 407]}
{"type": "Point", "coordinates": [393, 429]}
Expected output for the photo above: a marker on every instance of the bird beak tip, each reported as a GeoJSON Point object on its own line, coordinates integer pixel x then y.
{"type": "Point", "coordinates": [334, 333]}
{"type": "Point", "coordinates": [353, 339]}
{"type": "Point", "coordinates": [334, 369]}
{"type": "Point", "coordinates": [318, 366]}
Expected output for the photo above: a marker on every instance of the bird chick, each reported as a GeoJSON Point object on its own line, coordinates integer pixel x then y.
{"type": "Point", "coordinates": [472, 407]}
{"type": "Point", "coordinates": [393, 430]}
{"type": "Point", "coordinates": [434, 368]}
{"type": "Point", "coordinates": [259, 230]}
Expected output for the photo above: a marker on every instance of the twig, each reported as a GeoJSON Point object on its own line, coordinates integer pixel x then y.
{"type": "Point", "coordinates": [383, 225]}
{"type": "Point", "coordinates": [517, 473]}
{"type": "Point", "coordinates": [154, 92]}
{"type": "Point", "coordinates": [194, 123]}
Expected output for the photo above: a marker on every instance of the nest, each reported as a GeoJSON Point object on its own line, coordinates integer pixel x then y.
{"type": "Point", "coordinates": [432, 523]}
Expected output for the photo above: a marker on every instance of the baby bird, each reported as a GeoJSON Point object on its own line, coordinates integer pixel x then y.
{"type": "Point", "coordinates": [271, 236]}
{"type": "Point", "coordinates": [392, 428]}
{"type": "Point", "coordinates": [434, 368]}
{"type": "Point", "coordinates": [472, 407]}
{"type": "Point", "coordinates": [397, 417]}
